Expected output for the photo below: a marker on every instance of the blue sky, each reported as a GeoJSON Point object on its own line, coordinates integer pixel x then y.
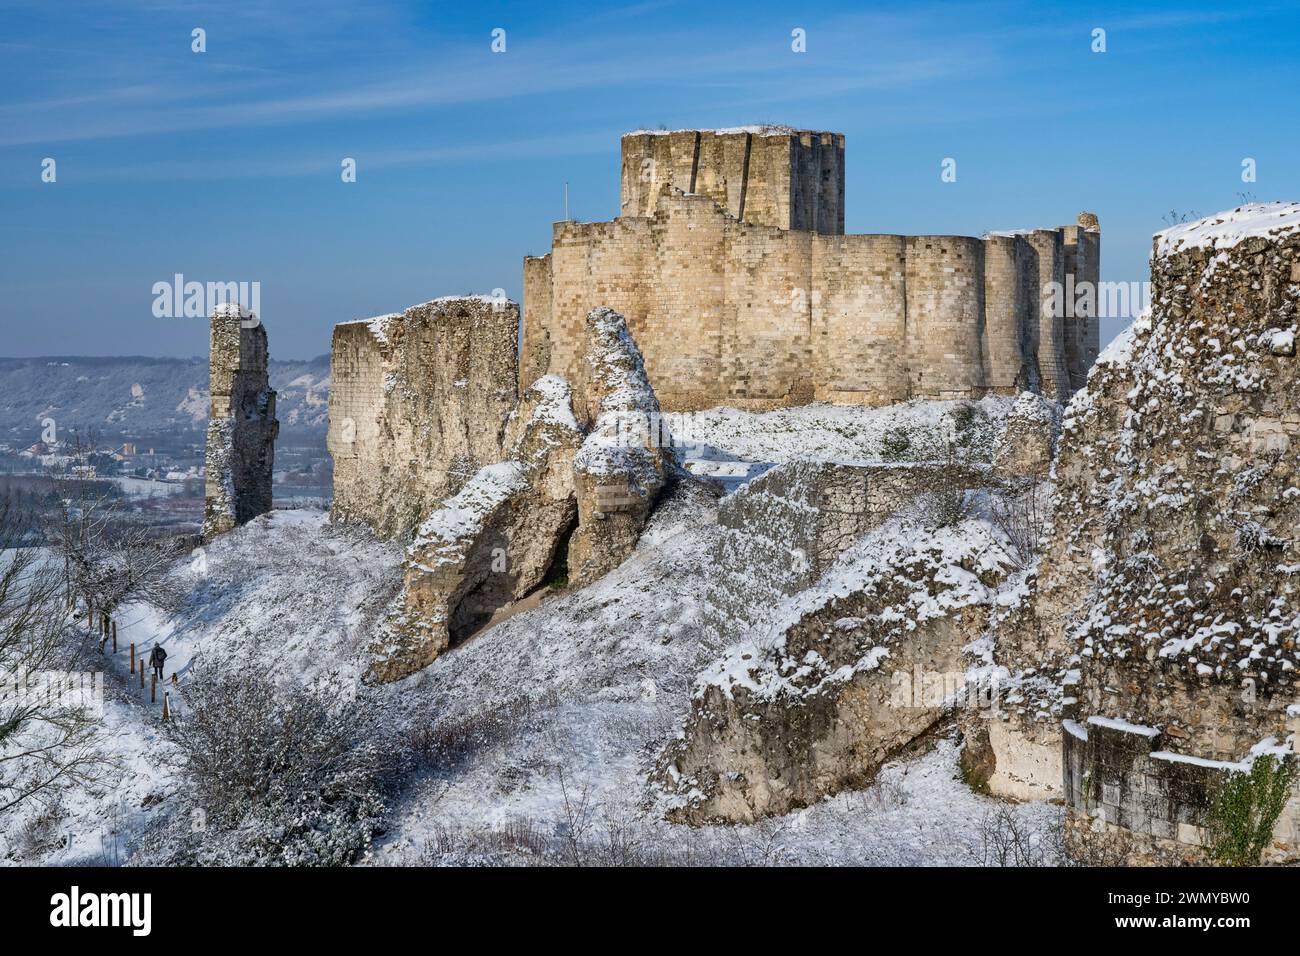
{"type": "Point", "coordinates": [225, 165]}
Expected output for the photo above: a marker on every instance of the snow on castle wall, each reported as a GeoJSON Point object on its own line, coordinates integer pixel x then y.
{"type": "Point", "coordinates": [742, 289]}
{"type": "Point", "coordinates": [241, 423]}
{"type": "Point", "coordinates": [1168, 587]}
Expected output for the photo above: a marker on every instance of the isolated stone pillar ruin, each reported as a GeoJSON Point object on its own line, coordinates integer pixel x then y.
{"type": "Point", "coordinates": [241, 423]}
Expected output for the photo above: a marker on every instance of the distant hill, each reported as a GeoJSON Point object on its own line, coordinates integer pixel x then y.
{"type": "Point", "coordinates": [135, 395]}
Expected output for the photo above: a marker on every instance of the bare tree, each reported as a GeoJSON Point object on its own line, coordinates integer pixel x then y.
{"type": "Point", "coordinates": [49, 726]}
{"type": "Point", "coordinates": [1007, 840]}
{"type": "Point", "coordinates": [579, 815]}
{"type": "Point", "coordinates": [1021, 512]}
{"type": "Point", "coordinates": [107, 560]}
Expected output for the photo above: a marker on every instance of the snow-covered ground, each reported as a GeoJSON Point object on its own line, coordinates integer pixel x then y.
{"type": "Point", "coordinates": [148, 487]}
{"type": "Point", "coordinates": [549, 720]}
{"type": "Point", "coordinates": [733, 446]}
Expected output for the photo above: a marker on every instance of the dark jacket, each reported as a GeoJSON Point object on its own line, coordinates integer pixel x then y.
{"type": "Point", "coordinates": [157, 657]}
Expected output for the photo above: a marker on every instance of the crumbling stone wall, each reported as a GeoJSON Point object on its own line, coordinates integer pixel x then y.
{"type": "Point", "coordinates": [573, 492]}
{"type": "Point", "coordinates": [489, 544]}
{"type": "Point", "coordinates": [242, 427]}
{"type": "Point", "coordinates": [418, 403]}
{"type": "Point", "coordinates": [1132, 800]}
{"type": "Point", "coordinates": [757, 309]}
{"type": "Point", "coordinates": [1169, 572]}
{"type": "Point", "coordinates": [1027, 444]}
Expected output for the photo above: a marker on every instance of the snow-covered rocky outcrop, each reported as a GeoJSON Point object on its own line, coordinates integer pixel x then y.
{"type": "Point", "coordinates": [563, 497]}
{"type": "Point", "coordinates": [492, 542]}
{"type": "Point", "coordinates": [1168, 586]}
{"type": "Point", "coordinates": [783, 530]}
{"type": "Point", "coordinates": [843, 675]}
{"type": "Point", "coordinates": [568, 701]}
{"type": "Point", "coordinates": [623, 463]}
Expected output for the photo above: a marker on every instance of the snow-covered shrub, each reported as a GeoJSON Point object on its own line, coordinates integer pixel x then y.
{"type": "Point", "coordinates": [974, 432]}
{"type": "Point", "coordinates": [447, 742]}
{"type": "Point", "coordinates": [967, 433]}
{"type": "Point", "coordinates": [950, 499]}
{"type": "Point", "coordinates": [276, 775]}
{"type": "Point", "coordinates": [895, 444]}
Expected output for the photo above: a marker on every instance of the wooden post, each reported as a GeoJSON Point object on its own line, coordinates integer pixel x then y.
{"type": "Point", "coordinates": [142, 675]}
{"type": "Point", "coordinates": [115, 637]}
{"type": "Point", "coordinates": [174, 684]}
{"type": "Point", "coordinates": [133, 657]}
{"type": "Point", "coordinates": [153, 688]}
{"type": "Point", "coordinates": [167, 710]}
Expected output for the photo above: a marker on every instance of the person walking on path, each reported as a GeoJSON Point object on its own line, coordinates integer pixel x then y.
{"type": "Point", "coordinates": [157, 658]}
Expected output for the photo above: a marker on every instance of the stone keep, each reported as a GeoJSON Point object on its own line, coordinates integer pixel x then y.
{"type": "Point", "coordinates": [730, 263]}
{"type": "Point", "coordinates": [241, 423]}
{"type": "Point", "coordinates": [770, 175]}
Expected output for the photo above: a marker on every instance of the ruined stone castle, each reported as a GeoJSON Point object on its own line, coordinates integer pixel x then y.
{"type": "Point", "coordinates": [730, 265]}
{"type": "Point", "coordinates": [418, 403]}
{"type": "Point", "coordinates": [242, 427]}
{"type": "Point", "coordinates": [730, 262]}
{"type": "Point", "coordinates": [1149, 649]}
{"type": "Point", "coordinates": [731, 279]}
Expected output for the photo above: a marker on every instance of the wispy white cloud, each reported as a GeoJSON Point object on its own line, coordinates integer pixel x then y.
{"type": "Point", "coordinates": [188, 99]}
{"type": "Point", "coordinates": [282, 163]}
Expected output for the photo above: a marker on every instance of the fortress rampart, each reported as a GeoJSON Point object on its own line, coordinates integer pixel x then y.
{"type": "Point", "coordinates": [741, 288]}
{"type": "Point", "coordinates": [1165, 598]}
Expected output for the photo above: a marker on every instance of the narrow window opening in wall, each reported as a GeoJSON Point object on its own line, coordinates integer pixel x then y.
{"type": "Point", "coordinates": [695, 163]}
{"type": "Point", "coordinates": [744, 176]}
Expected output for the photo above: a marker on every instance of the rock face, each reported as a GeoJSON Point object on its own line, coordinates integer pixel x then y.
{"type": "Point", "coordinates": [241, 423]}
{"type": "Point", "coordinates": [492, 542]}
{"type": "Point", "coordinates": [1028, 442]}
{"type": "Point", "coordinates": [418, 403]}
{"type": "Point", "coordinates": [1014, 750]}
{"type": "Point", "coordinates": [623, 464]}
{"type": "Point", "coordinates": [1170, 569]}
{"type": "Point", "coordinates": [846, 673]}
